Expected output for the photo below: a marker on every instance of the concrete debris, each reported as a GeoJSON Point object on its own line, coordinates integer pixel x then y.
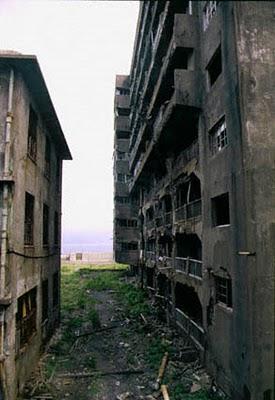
{"type": "Point", "coordinates": [195, 387]}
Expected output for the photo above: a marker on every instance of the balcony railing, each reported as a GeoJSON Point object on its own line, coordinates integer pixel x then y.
{"type": "Point", "coordinates": [189, 266]}
{"type": "Point", "coordinates": [190, 327]}
{"type": "Point", "coordinates": [187, 211]}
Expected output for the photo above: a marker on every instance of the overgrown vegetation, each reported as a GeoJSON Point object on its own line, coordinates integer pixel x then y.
{"type": "Point", "coordinates": [79, 314]}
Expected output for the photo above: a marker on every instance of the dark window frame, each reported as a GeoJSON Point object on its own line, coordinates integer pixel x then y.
{"type": "Point", "coordinates": [223, 289]}
{"type": "Point", "coordinates": [220, 207]}
{"type": "Point", "coordinates": [32, 135]}
{"type": "Point", "coordinates": [47, 158]}
{"type": "Point", "coordinates": [218, 139]}
{"type": "Point", "coordinates": [46, 224]}
{"type": "Point", "coordinates": [214, 68]}
{"type": "Point", "coordinates": [29, 219]}
{"type": "Point", "coordinates": [26, 317]}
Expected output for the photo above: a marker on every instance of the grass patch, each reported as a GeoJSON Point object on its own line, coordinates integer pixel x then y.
{"type": "Point", "coordinates": [93, 267]}
{"type": "Point", "coordinates": [156, 349]}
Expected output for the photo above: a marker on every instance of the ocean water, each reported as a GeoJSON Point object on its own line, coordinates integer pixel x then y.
{"type": "Point", "coordinates": [100, 247]}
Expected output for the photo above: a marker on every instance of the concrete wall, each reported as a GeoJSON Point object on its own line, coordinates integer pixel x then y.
{"type": "Point", "coordinates": [28, 266]}
{"type": "Point", "coordinates": [238, 338]}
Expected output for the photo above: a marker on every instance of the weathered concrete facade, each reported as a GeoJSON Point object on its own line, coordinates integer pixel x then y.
{"type": "Point", "coordinates": [201, 162]}
{"type": "Point", "coordinates": [31, 153]}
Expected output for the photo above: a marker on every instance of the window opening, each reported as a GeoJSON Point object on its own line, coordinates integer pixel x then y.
{"type": "Point", "coordinates": [45, 225]}
{"type": "Point", "coordinates": [32, 134]}
{"type": "Point", "coordinates": [47, 158]}
{"type": "Point", "coordinates": [214, 67]}
{"type": "Point", "coordinates": [220, 210]}
{"type": "Point", "coordinates": [223, 290]}
{"type": "Point", "coordinates": [29, 219]}
{"type": "Point", "coordinates": [25, 317]}
{"type": "Point", "coordinates": [218, 137]}
{"type": "Point", "coordinates": [209, 11]}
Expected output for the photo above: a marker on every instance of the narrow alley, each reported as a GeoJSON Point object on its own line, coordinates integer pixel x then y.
{"type": "Point", "coordinates": [111, 343]}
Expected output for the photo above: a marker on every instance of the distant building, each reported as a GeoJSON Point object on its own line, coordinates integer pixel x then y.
{"type": "Point", "coordinates": [196, 133]}
{"type": "Point", "coordinates": [32, 147]}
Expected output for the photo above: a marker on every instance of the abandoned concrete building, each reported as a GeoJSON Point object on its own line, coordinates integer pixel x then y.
{"type": "Point", "coordinates": [194, 179]}
{"type": "Point", "coordinates": [32, 147]}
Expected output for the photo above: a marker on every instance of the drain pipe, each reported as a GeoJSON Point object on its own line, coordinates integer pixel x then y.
{"type": "Point", "coordinates": [6, 174]}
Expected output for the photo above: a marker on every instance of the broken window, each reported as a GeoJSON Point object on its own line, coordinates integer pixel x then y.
{"type": "Point", "coordinates": [25, 317]}
{"type": "Point", "coordinates": [218, 136]}
{"type": "Point", "coordinates": [45, 299]}
{"type": "Point", "coordinates": [29, 219]}
{"type": "Point", "coordinates": [223, 290]}
{"type": "Point", "coordinates": [55, 289]}
{"type": "Point", "coordinates": [47, 168]}
{"type": "Point", "coordinates": [56, 229]}
{"type": "Point", "coordinates": [32, 135]}
{"type": "Point", "coordinates": [220, 210]}
{"type": "Point", "coordinates": [214, 68]}
{"type": "Point", "coordinates": [45, 225]}
{"type": "Point", "coordinates": [209, 11]}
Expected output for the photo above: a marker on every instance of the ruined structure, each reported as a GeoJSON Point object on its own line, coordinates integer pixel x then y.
{"type": "Point", "coordinates": [195, 125]}
{"type": "Point", "coordinates": [32, 147]}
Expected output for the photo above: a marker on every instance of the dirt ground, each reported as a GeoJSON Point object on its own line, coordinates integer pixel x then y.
{"type": "Point", "coordinates": [115, 351]}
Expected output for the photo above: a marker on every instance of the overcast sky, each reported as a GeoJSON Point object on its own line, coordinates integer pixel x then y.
{"type": "Point", "coordinates": [80, 46]}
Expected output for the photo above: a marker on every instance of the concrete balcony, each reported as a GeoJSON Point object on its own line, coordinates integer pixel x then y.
{"type": "Point", "coordinates": [184, 36]}
{"type": "Point", "coordinates": [187, 211]}
{"type": "Point", "coordinates": [185, 32]}
{"type": "Point", "coordinates": [122, 123]}
{"type": "Point", "coordinates": [191, 328]}
{"type": "Point", "coordinates": [184, 100]}
{"type": "Point", "coordinates": [189, 266]}
{"type": "Point", "coordinates": [186, 155]}
{"type": "Point", "coordinates": [122, 101]}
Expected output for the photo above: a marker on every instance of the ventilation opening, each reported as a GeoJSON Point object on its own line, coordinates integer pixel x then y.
{"type": "Point", "coordinates": [220, 210]}
{"type": "Point", "coordinates": [214, 67]}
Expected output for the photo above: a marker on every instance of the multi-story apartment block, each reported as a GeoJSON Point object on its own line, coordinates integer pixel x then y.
{"type": "Point", "coordinates": [201, 162]}
{"type": "Point", "coordinates": [32, 147]}
{"type": "Point", "coordinates": [126, 231]}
